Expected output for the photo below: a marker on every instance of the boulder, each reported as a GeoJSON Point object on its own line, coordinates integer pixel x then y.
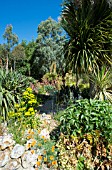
{"type": "Point", "coordinates": [29, 159]}
{"type": "Point", "coordinates": [13, 164]}
{"type": "Point", "coordinates": [4, 157]}
{"type": "Point", "coordinates": [17, 151]}
{"type": "Point", "coordinates": [6, 141]}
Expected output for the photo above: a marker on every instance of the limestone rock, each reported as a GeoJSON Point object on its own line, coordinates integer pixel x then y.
{"type": "Point", "coordinates": [13, 164]}
{"type": "Point", "coordinates": [29, 168]}
{"type": "Point", "coordinates": [29, 159]}
{"type": "Point", "coordinates": [6, 141]}
{"type": "Point", "coordinates": [17, 151]}
{"type": "Point", "coordinates": [20, 168]}
{"type": "Point", "coordinates": [4, 157]}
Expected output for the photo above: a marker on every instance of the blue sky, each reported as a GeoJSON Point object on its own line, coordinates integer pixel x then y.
{"type": "Point", "coordinates": [25, 15]}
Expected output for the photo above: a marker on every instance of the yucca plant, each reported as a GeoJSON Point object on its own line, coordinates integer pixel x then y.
{"type": "Point", "coordinates": [102, 79]}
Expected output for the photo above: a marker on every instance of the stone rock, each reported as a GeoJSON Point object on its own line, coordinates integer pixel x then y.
{"type": "Point", "coordinates": [20, 168]}
{"type": "Point", "coordinates": [29, 168]}
{"type": "Point", "coordinates": [17, 151]}
{"type": "Point", "coordinates": [45, 133]}
{"type": "Point", "coordinates": [13, 164]}
{"type": "Point", "coordinates": [45, 117]}
{"type": "Point", "coordinates": [29, 159]}
{"type": "Point", "coordinates": [6, 141]}
{"type": "Point", "coordinates": [4, 157]}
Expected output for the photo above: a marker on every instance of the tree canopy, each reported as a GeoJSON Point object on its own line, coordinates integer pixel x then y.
{"type": "Point", "coordinates": [49, 48]}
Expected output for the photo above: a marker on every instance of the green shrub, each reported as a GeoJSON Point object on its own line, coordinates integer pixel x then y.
{"type": "Point", "coordinates": [87, 116]}
{"type": "Point", "coordinates": [15, 82]}
{"type": "Point", "coordinates": [50, 89]}
{"type": "Point", "coordinates": [85, 140]}
{"type": "Point", "coordinates": [7, 99]}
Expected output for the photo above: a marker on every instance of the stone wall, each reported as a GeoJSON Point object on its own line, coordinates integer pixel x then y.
{"type": "Point", "coordinates": [18, 157]}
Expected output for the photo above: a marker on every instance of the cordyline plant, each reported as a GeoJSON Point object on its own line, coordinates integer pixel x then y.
{"type": "Point", "coordinates": [88, 25]}
{"type": "Point", "coordinates": [89, 28]}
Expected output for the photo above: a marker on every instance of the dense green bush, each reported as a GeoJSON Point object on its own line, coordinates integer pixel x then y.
{"type": "Point", "coordinates": [87, 116]}
{"type": "Point", "coordinates": [86, 136]}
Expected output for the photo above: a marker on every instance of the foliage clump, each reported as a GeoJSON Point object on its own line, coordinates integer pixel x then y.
{"type": "Point", "coordinates": [12, 85]}
{"type": "Point", "coordinates": [86, 116]}
{"type": "Point", "coordinates": [86, 135]}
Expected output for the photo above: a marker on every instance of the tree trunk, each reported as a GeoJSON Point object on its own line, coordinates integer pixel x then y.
{"type": "Point", "coordinates": [92, 90]}
{"type": "Point", "coordinates": [14, 65]}
{"type": "Point", "coordinates": [7, 63]}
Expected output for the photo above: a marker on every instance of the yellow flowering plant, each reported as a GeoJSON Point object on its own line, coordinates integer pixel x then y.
{"type": "Point", "coordinates": [27, 105]}
{"type": "Point", "coordinates": [24, 113]}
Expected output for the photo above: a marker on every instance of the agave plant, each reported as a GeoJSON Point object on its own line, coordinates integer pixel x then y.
{"type": "Point", "coordinates": [16, 82]}
{"type": "Point", "coordinates": [102, 79]}
{"type": "Point", "coordinates": [6, 98]}
{"type": "Point", "coordinates": [12, 84]}
{"type": "Point", "coordinates": [6, 102]}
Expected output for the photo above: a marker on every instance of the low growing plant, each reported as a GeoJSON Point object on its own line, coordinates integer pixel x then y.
{"type": "Point", "coordinates": [47, 152]}
{"type": "Point", "coordinates": [27, 104]}
{"type": "Point", "coordinates": [49, 155]}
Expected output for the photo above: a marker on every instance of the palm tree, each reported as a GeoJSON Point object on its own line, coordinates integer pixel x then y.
{"type": "Point", "coordinates": [88, 24]}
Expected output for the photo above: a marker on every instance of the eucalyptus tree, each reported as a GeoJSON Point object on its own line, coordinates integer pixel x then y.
{"type": "Point", "coordinates": [21, 55]}
{"type": "Point", "coordinates": [11, 40]}
{"type": "Point", "coordinates": [3, 53]}
{"type": "Point", "coordinates": [49, 48]}
{"type": "Point", "coordinates": [29, 48]}
{"type": "Point", "coordinates": [18, 56]}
